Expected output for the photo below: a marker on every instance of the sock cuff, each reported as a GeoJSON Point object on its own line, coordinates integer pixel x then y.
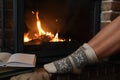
{"type": "Point", "coordinates": [90, 53]}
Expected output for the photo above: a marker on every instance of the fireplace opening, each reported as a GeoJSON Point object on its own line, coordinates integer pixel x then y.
{"type": "Point", "coordinates": [53, 29]}
{"type": "Point", "coordinates": [69, 20]}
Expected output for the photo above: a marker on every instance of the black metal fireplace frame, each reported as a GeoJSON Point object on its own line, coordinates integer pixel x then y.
{"type": "Point", "coordinates": [18, 9]}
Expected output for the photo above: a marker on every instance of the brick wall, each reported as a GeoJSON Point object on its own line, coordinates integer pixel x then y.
{"type": "Point", "coordinates": [110, 10]}
{"type": "Point", "coordinates": [8, 22]}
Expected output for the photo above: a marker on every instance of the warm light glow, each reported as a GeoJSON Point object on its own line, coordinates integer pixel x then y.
{"type": "Point", "coordinates": [69, 40]}
{"type": "Point", "coordinates": [26, 38]}
{"type": "Point", "coordinates": [56, 39]}
{"type": "Point", "coordinates": [41, 32]}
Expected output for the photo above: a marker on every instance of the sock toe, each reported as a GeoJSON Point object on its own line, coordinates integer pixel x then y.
{"type": "Point", "coordinates": [50, 68]}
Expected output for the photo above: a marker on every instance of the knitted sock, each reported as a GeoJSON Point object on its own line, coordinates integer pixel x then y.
{"type": "Point", "coordinates": [74, 62]}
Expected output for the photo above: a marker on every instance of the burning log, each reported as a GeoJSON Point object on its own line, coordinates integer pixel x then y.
{"type": "Point", "coordinates": [39, 40]}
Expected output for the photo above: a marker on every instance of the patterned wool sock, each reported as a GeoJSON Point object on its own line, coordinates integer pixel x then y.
{"type": "Point", "coordinates": [74, 62]}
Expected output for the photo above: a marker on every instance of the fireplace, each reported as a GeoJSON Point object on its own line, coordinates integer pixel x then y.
{"type": "Point", "coordinates": [37, 23]}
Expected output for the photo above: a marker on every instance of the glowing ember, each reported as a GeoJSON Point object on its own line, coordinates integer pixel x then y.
{"type": "Point", "coordinates": [41, 32]}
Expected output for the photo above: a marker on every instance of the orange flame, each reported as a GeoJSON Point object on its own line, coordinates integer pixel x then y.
{"type": "Point", "coordinates": [42, 32]}
{"type": "Point", "coordinates": [56, 39]}
{"type": "Point", "coordinates": [26, 38]}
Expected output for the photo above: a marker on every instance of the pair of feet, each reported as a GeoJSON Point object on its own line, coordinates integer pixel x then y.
{"type": "Point", "coordinates": [74, 62]}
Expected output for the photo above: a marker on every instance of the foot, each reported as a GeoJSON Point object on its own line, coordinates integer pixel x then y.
{"type": "Point", "coordinates": [74, 62]}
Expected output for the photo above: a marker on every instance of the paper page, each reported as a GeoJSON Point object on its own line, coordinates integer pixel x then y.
{"type": "Point", "coordinates": [22, 58]}
{"type": "Point", "coordinates": [4, 56]}
{"type": "Point", "coordinates": [17, 64]}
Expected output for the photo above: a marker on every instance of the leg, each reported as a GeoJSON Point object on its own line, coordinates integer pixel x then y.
{"type": "Point", "coordinates": [105, 43]}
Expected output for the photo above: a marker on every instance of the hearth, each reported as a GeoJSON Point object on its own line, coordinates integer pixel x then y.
{"type": "Point", "coordinates": [52, 29]}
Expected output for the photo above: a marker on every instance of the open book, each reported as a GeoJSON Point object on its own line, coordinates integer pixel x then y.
{"type": "Point", "coordinates": [17, 60]}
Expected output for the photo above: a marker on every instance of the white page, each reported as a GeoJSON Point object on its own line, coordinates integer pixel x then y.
{"type": "Point", "coordinates": [22, 58]}
{"type": "Point", "coordinates": [17, 64]}
{"type": "Point", "coordinates": [4, 56]}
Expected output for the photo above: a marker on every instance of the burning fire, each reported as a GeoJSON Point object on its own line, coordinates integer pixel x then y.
{"type": "Point", "coordinates": [26, 38]}
{"type": "Point", "coordinates": [41, 32]}
{"type": "Point", "coordinates": [56, 39]}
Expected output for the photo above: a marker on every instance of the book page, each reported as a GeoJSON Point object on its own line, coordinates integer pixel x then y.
{"type": "Point", "coordinates": [4, 56]}
{"type": "Point", "coordinates": [22, 58]}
